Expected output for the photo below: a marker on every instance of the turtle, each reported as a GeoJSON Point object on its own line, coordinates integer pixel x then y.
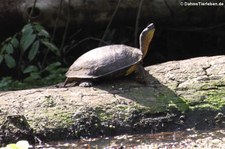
{"type": "Point", "coordinates": [111, 61]}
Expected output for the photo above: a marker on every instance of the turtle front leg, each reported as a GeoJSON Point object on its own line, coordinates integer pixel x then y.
{"type": "Point", "coordinates": [66, 81]}
{"type": "Point", "coordinates": [141, 74]}
{"type": "Point", "coordinates": [64, 85]}
{"type": "Point", "coordinates": [70, 80]}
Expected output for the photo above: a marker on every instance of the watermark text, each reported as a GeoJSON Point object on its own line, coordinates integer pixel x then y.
{"type": "Point", "coordinates": [201, 4]}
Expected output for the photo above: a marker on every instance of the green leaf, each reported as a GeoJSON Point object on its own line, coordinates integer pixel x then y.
{"type": "Point", "coordinates": [33, 76]}
{"type": "Point", "coordinates": [9, 48]}
{"type": "Point", "coordinates": [33, 50]}
{"type": "Point", "coordinates": [27, 40]}
{"type": "Point", "coordinates": [1, 58]}
{"type": "Point", "coordinates": [51, 47]}
{"type": "Point", "coordinates": [27, 29]}
{"type": "Point", "coordinates": [15, 42]}
{"type": "Point", "coordinates": [10, 61]}
{"type": "Point", "coordinates": [43, 33]}
{"type": "Point", "coordinates": [5, 81]}
{"type": "Point", "coordinates": [3, 49]}
{"type": "Point", "coordinates": [53, 66]}
{"type": "Point", "coordinates": [30, 69]}
{"type": "Point", "coordinates": [38, 27]}
{"type": "Point", "coordinates": [11, 146]}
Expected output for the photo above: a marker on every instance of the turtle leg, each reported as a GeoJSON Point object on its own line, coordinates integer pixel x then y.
{"type": "Point", "coordinates": [69, 80]}
{"type": "Point", "coordinates": [140, 74]}
{"type": "Point", "coordinates": [66, 81]}
{"type": "Point", "coordinates": [86, 84]}
{"type": "Point", "coordinates": [64, 84]}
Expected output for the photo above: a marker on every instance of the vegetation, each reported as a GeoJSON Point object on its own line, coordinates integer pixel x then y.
{"type": "Point", "coordinates": [26, 56]}
{"type": "Point", "coordinates": [23, 144]}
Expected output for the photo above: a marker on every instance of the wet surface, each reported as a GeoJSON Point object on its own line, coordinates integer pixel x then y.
{"type": "Point", "coordinates": [178, 139]}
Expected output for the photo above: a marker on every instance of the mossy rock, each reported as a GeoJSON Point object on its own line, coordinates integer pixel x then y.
{"type": "Point", "coordinates": [178, 95]}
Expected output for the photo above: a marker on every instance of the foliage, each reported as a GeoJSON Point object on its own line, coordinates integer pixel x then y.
{"type": "Point", "coordinates": [52, 74]}
{"type": "Point", "coordinates": [26, 55]}
{"type": "Point", "coordinates": [28, 42]}
{"type": "Point", "coordinates": [23, 144]}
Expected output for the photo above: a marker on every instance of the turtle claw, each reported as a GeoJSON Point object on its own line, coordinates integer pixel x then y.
{"type": "Point", "coordinates": [85, 84]}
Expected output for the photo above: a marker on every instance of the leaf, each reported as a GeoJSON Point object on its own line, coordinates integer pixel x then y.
{"type": "Point", "coordinates": [9, 48]}
{"type": "Point", "coordinates": [3, 49]}
{"type": "Point", "coordinates": [33, 76]}
{"type": "Point", "coordinates": [10, 61]}
{"type": "Point", "coordinates": [51, 47]}
{"type": "Point", "coordinates": [33, 50]}
{"type": "Point", "coordinates": [15, 42]}
{"type": "Point", "coordinates": [38, 27]}
{"type": "Point", "coordinates": [30, 69]}
{"type": "Point", "coordinates": [43, 33]}
{"type": "Point", "coordinates": [23, 144]}
{"type": "Point", "coordinates": [11, 146]}
{"type": "Point", "coordinates": [1, 58]}
{"type": "Point", "coordinates": [53, 66]}
{"type": "Point", "coordinates": [5, 81]}
{"type": "Point", "coordinates": [27, 40]}
{"type": "Point", "coordinates": [27, 29]}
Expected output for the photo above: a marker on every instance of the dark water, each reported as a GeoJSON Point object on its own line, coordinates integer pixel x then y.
{"type": "Point", "coordinates": [177, 139]}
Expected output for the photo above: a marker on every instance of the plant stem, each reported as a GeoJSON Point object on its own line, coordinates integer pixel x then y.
{"type": "Point", "coordinates": [136, 39]}
{"type": "Point", "coordinates": [110, 22]}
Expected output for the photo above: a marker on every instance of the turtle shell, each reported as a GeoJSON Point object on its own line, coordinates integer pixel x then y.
{"type": "Point", "coordinates": [104, 61]}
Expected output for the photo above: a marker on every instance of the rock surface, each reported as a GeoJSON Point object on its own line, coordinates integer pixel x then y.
{"type": "Point", "coordinates": [188, 93]}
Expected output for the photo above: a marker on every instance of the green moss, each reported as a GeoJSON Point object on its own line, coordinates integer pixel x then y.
{"type": "Point", "coordinates": [205, 106]}
{"type": "Point", "coordinates": [213, 99]}
{"type": "Point", "coordinates": [121, 111]}
{"type": "Point", "coordinates": [49, 101]}
{"type": "Point", "coordinates": [171, 101]}
{"type": "Point", "coordinates": [157, 100]}
{"type": "Point", "coordinates": [59, 118]}
{"type": "Point", "coordinates": [146, 109]}
{"type": "Point", "coordinates": [122, 107]}
{"type": "Point", "coordinates": [102, 114]}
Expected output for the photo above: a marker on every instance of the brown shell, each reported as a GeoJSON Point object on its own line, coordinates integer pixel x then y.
{"type": "Point", "coordinates": [104, 61]}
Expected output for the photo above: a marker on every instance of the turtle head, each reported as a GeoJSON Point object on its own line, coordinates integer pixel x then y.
{"type": "Point", "coordinates": [146, 38]}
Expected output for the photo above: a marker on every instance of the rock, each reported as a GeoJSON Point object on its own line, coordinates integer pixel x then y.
{"type": "Point", "coordinates": [193, 89]}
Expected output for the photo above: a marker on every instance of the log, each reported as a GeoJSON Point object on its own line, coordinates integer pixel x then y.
{"type": "Point", "coordinates": [98, 12]}
{"type": "Point", "coordinates": [179, 94]}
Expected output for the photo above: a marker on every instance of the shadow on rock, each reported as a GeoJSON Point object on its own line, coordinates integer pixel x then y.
{"type": "Point", "coordinates": [139, 108]}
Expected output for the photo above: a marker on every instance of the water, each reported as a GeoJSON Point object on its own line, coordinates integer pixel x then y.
{"type": "Point", "coordinates": [177, 139]}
